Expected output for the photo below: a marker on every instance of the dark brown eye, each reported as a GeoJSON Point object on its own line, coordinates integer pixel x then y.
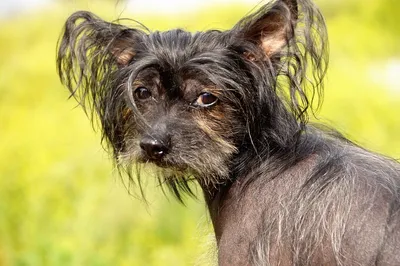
{"type": "Point", "coordinates": [206, 99]}
{"type": "Point", "coordinates": [142, 93]}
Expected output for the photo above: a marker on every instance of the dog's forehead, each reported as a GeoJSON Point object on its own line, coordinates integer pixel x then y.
{"type": "Point", "coordinates": [179, 45]}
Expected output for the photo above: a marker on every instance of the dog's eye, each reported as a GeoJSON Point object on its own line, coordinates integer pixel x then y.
{"type": "Point", "coordinates": [142, 93]}
{"type": "Point", "coordinates": [206, 99]}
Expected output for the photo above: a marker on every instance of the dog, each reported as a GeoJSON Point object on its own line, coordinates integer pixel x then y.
{"type": "Point", "coordinates": [230, 110]}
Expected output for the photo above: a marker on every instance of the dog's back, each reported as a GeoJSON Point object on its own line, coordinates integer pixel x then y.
{"type": "Point", "coordinates": [337, 206]}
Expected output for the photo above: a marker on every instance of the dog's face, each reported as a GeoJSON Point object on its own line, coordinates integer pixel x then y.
{"type": "Point", "coordinates": [178, 114]}
{"type": "Point", "coordinates": [187, 102]}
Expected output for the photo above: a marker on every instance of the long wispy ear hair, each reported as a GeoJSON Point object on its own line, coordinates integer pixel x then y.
{"type": "Point", "coordinates": [292, 37]}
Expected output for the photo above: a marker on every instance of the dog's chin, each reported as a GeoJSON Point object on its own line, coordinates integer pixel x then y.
{"type": "Point", "coordinates": [164, 164]}
{"type": "Point", "coordinates": [159, 163]}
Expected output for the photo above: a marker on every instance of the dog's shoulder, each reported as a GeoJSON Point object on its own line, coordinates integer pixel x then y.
{"type": "Point", "coordinates": [338, 199]}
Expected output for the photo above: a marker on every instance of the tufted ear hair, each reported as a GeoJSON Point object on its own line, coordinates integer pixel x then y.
{"type": "Point", "coordinates": [271, 27]}
{"type": "Point", "coordinates": [85, 35]}
{"type": "Point", "coordinates": [90, 49]}
{"type": "Point", "coordinates": [290, 37]}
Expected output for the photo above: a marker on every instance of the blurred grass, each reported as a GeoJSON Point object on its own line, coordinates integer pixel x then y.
{"type": "Point", "coordinates": [60, 201]}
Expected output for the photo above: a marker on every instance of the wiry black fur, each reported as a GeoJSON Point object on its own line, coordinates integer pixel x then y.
{"type": "Point", "coordinates": [308, 190]}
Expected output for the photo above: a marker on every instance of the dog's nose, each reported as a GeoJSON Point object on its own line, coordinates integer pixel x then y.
{"type": "Point", "coordinates": [154, 148]}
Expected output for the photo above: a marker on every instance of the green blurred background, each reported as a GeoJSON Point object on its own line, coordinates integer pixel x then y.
{"type": "Point", "coordinates": [61, 202]}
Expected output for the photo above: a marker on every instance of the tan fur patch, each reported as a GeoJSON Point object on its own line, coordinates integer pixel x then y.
{"type": "Point", "coordinates": [207, 126]}
{"type": "Point", "coordinates": [126, 114]}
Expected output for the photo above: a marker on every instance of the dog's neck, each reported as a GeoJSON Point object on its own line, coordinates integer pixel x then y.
{"type": "Point", "coordinates": [215, 198]}
{"type": "Point", "coordinates": [245, 172]}
{"type": "Point", "coordinates": [222, 195]}
{"type": "Point", "coordinates": [227, 215]}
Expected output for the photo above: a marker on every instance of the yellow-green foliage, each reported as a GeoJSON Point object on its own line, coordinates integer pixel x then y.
{"type": "Point", "coordinates": [61, 202]}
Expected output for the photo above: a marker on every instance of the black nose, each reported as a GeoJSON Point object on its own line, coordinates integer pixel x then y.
{"type": "Point", "coordinates": [155, 148]}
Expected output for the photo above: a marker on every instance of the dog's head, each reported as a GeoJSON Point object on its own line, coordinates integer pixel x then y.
{"type": "Point", "coordinates": [197, 104]}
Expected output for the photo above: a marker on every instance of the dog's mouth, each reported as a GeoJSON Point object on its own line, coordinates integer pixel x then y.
{"type": "Point", "coordinates": [163, 161]}
{"type": "Point", "coordinates": [158, 162]}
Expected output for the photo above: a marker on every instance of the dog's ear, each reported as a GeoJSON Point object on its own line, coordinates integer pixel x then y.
{"type": "Point", "coordinates": [271, 27]}
{"type": "Point", "coordinates": [86, 36]}
{"type": "Point", "coordinates": [90, 51]}
{"type": "Point", "coordinates": [122, 48]}
{"type": "Point", "coordinates": [290, 35]}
